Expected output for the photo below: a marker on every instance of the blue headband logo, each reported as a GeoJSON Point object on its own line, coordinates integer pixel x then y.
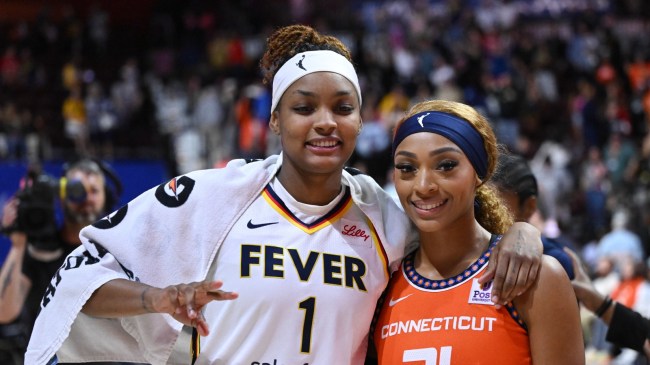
{"type": "Point", "coordinates": [454, 128]}
{"type": "Point", "coordinates": [421, 118]}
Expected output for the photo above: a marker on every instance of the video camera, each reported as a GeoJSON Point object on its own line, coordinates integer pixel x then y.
{"type": "Point", "coordinates": [36, 208]}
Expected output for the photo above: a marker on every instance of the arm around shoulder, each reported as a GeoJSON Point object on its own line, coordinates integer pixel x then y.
{"type": "Point", "coordinates": [515, 261]}
{"type": "Point", "coordinates": [550, 310]}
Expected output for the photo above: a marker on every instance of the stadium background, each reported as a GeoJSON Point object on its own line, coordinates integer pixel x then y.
{"type": "Point", "coordinates": [180, 84]}
{"type": "Point", "coordinates": [168, 86]}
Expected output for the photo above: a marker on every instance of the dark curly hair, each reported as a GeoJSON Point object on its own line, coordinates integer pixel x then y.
{"type": "Point", "coordinates": [288, 41]}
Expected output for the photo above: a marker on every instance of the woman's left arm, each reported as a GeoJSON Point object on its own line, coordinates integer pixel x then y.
{"type": "Point", "coordinates": [515, 262]}
{"type": "Point", "coordinates": [551, 313]}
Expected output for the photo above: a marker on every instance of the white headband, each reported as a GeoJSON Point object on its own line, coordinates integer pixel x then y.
{"type": "Point", "coordinates": [309, 62]}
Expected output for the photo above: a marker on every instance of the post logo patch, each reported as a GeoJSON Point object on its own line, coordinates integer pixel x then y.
{"type": "Point", "coordinates": [478, 295]}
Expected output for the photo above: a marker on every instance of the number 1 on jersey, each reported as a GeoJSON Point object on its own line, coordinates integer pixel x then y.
{"type": "Point", "coordinates": [309, 305]}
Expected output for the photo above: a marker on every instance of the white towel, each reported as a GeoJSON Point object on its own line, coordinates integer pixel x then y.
{"type": "Point", "coordinates": [170, 234]}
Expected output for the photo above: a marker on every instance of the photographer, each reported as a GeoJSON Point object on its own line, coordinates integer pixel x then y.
{"type": "Point", "coordinates": [38, 250]}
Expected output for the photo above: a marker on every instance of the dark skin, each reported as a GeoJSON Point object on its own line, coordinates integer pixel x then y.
{"type": "Point", "coordinates": [510, 279]}
{"type": "Point", "coordinates": [122, 298]}
{"type": "Point", "coordinates": [318, 129]}
{"type": "Point", "coordinates": [437, 186]}
{"type": "Point", "coordinates": [318, 120]}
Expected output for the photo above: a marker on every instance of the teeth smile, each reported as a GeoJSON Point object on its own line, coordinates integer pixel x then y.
{"type": "Point", "coordinates": [423, 206]}
{"type": "Point", "coordinates": [323, 143]}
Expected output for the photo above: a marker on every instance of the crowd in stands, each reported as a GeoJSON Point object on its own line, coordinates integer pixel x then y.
{"type": "Point", "coordinates": [566, 84]}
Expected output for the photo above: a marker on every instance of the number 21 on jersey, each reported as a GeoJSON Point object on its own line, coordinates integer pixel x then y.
{"type": "Point", "coordinates": [429, 355]}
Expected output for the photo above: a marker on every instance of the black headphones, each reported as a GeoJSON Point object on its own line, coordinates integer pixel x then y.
{"type": "Point", "coordinates": [112, 184]}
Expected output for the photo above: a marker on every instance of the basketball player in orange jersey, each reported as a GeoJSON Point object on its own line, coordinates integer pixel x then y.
{"type": "Point", "coordinates": [435, 311]}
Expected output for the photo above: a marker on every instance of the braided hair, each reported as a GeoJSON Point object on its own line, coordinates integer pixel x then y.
{"type": "Point", "coordinates": [288, 41]}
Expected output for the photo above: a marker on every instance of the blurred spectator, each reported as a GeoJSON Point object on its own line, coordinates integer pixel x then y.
{"type": "Point", "coordinates": [619, 155]}
{"type": "Point", "coordinates": [633, 291]}
{"type": "Point", "coordinates": [582, 48]}
{"type": "Point", "coordinates": [504, 103]}
{"type": "Point", "coordinates": [9, 66]}
{"type": "Point", "coordinates": [72, 30]}
{"type": "Point", "coordinates": [102, 121]}
{"type": "Point", "coordinates": [13, 127]}
{"type": "Point", "coordinates": [554, 181]}
{"type": "Point", "coordinates": [76, 126]}
{"type": "Point", "coordinates": [171, 114]}
{"type": "Point", "coordinates": [71, 74]}
{"type": "Point", "coordinates": [620, 242]}
{"type": "Point", "coordinates": [595, 185]}
{"type": "Point", "coordinates": [98, 28]}
{"type": "Point", "coordinates": [443, 78]}
{"type": "Point", "coordinates": [373, 145]}
{"type": "Point", "coordinates": [40, 146]}
{"type": "Point", "coordinates": [392, 105]}
{"type": "Point", "coordinates": [588, 118]}
{"type": "Point", "coordinates": [208, 118]}
{"type": "Point", "coordinates": [125, 92]}
{"type": "Point", "coordinates": [638, 71]}
{"type": "Point", "coordinates": [251, 113]}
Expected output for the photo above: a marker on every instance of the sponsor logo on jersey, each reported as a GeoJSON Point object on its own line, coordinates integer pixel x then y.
{"type": "Point", "coordinates": [353, 231]}
{"type": "Point", "coordinates": [112, 219]}
{"type": "Point", "coordinates": [392, 301]}
{"type": "Point", "coordinates": [480, 295]}
{"type": "Point", "coordinates": [175, 192]}
{"type": "Point", "coordinates": [252, 225]}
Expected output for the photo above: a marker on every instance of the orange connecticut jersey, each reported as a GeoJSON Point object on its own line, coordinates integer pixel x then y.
{"type": "Point", "coordinates": [447, 322]}
{"type": "Point", "coordinates": [306, 290]}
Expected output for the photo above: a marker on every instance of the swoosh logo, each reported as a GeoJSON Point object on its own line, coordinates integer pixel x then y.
{"type": "Point", "coordinates": [392, 301]}
{"type": "Point", "coordinates": [252, 225]}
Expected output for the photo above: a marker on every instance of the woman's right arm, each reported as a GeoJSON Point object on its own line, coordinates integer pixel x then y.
{"type": "Point", "coordinates": [123, 298]}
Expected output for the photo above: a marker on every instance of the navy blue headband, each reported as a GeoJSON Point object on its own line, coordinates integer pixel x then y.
{"type": "Point", "coordinates": [456, 129]}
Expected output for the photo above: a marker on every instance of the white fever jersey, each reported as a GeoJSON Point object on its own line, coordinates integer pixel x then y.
{"type": "Point", "coordinates": [307, 291]}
